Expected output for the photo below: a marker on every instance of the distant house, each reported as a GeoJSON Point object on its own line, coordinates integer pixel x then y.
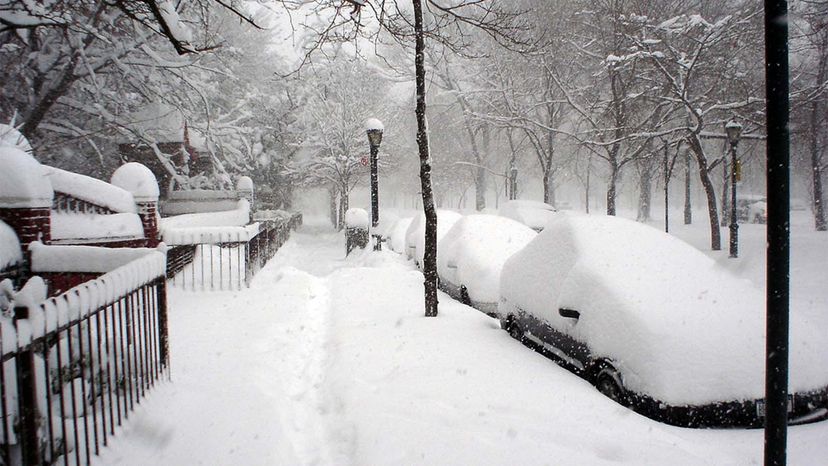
{"type": "Point", "coordinates": [186, 150]}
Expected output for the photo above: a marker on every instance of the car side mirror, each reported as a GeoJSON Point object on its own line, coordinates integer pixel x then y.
{"type": "Point", "coordinates": [569, 313]}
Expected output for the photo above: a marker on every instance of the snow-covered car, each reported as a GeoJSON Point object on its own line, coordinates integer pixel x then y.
{"type": "Point", "coordinates": [415, 234]}
{"type": "Point", "coordinates": [471, 256]}
{"type": "Point", "coordinates": [395, 236]}
{"type": "Point", "coordinates": [758, 212]}
{"type": "Point", "coordinates": [534, 214]}
{"type": "Point", "coordinates": [654, 323]}
{"type": "Point", "coordinates": [743, 203]}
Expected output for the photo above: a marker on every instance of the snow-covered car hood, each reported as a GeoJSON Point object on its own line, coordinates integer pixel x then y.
{"type": "Point", "coordinates": [678, 327]}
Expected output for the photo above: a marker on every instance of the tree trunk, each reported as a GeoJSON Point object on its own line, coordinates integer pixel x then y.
{"type": "Point", "coordinates": [332, 205]}
{"type": "Point", "coordinates": [612, 186]}
{"type": "Point", "coordinates": [712, 210]}
{"type": "Point", "coordinates": [688, 210]}
{"type": "Point", "coordinates": [430, 255]}
{"type": "Point", "coordinates": [645, 194]}
{"type": "Point", "coordinates": [343, 206]}
{"type": "Point", "coordinates": [816, 170]}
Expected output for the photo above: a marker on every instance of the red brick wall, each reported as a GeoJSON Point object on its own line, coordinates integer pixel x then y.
{"type": "Point", "coordinates": [58, 282]}
{"type": "Point", "coordinates": [30, 224]}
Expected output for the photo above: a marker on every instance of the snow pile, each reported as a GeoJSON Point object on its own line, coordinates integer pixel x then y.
{"type": "Point", "coordinates": [357, 218]}
{"type": "Point", "coordinates": [237, 217]}
{"type": "Point", "coordinates": [90, 259]}
{"type": "Point", "coordinates": [534, 214]}
{"type": "Point", "coordinates": [372, 124]}
{"type": "Point", "coordinates": [677, 326]}
{"type": "Point", "coordinates": [415, 235]}
{"type": "Point", "coordinates": [22, 180]}
{"type": "Point", "coordinates": [90, 190]}
{"type": "Point", "coordinates": [210, 235]}
{"type": "Point", "coordinates": [474, 250]}
{"type": "Point", "coordinates": [244, 183]}
{"type": "Point", "coordinates": [396, 234]}
{"type": "Point", "coordinates": [195, 201]}
{"type": "Point", "coordinates": [10, 252]}
{"type": "Point", "coordinates": [138, 180]}
{"type": "Point", "coordinates": [66, 226]}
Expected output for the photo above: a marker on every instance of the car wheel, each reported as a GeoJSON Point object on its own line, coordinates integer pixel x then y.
{"type": "Point", "coordinates": [464, 295]}
{"type": "Point", "coordinates": [608, 382]}
{"type": "Point", "coordinates": [515, 331]}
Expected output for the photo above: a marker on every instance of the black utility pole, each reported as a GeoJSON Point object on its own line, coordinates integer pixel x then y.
{"type": "Point", "coordinates": [374, 129]}
{"type": "Point", "coordinates": [666, 188]}
{"type": "Point", "coordinates": [778, 235]}
{"type": "Point", "coordinates": [733, 131]}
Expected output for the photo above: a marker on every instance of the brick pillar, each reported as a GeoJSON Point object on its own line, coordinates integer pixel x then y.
{"type": "Point", "coordinates": [30, 223]}
{"type": "Point", "coordinates": [148, 211]}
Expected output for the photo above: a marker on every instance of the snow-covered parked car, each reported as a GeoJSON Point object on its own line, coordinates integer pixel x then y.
{"type": "Point", "coordinates": [471, 256]}
{"type": "Point", "coordinates": [415, 235]}
{"type": "Point", "coordinates": [395, 236]}
{"type": "Point", "coordinates": [654, 323]}
{"type": "Point", "coordinates": [534, 214]}
{"type": "Point", "coordinates": [758, 212]}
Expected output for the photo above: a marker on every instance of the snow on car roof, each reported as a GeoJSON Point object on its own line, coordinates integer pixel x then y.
{"type": "Point", "coordinates": [534, 214]}
{"type": "Point", "coordinates": [479, 245]}
{"type": "Point", "coordinates": [415, 235]}
{"type": "Point", "coordinates": [681, 328]}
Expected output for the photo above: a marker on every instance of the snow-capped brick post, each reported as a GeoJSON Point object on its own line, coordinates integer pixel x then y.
{"type": "Point", "coordinates": [140, 181]}
{"type": "Point", "coordinates": [25, 196]}
{"type": "Point", "coordinates": [357, 223]}
{"type": "Point", "coordinates": [244, 186]}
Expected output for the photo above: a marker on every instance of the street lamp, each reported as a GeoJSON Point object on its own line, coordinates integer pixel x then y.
{"type": "Point", "coordinates": [733, 131]}
{"type": "Point", "coordinates": [374, 129]}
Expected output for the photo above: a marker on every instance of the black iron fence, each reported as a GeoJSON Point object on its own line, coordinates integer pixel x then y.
{"type": "Point", "coordinates": [224, 258]}
{"type": "Point", "coordinates": [74, 366]}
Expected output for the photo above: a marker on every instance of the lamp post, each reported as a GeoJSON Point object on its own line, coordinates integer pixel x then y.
{"type": "Point", "coordinates": [374, 129]}
{"type": "Point", "coordinates": [733, 131]}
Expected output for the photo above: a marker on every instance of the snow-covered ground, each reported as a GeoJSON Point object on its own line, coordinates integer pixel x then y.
{"type": "Point", "coordinates": [327, 360]}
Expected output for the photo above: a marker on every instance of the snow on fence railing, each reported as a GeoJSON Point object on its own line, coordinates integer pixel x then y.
{"type": "Point", "coordinates": [223, 258]}
{"type": "Point", "coordinates": [74, 366]}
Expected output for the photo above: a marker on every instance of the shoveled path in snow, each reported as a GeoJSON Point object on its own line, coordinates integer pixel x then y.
{"type": "Point", "coordinates": [328, 361]}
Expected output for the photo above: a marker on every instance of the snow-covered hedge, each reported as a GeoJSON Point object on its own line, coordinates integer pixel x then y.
{"type": "Point", "coordinates": [91, 190]}
{"type": "Point", "coordinates": [357, 218]}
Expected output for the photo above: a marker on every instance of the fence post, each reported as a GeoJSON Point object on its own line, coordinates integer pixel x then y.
{"type": "Point", "coordinates": [163, 335]}
{"type": "Point", "coordinates": [27, 399]}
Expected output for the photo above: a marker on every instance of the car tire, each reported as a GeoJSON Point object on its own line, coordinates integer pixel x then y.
{"type": "Point", "coordinates": [514, 330]}
{"type": "Point", "coordinates": [464, 295]}
{"type": "Point", "coordinates": [608, 382]}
